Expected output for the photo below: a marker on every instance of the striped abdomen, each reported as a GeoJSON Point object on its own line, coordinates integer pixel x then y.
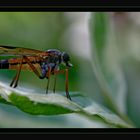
{"type": "Point", "coordinates": [14, 63]}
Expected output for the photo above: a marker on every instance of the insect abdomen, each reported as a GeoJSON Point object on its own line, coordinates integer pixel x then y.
{"type": "Point", "coordinates": [4, 64]}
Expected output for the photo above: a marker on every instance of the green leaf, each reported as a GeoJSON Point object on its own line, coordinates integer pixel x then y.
{"type": "Point", "coordinates": [42, 104]}
{"type": "Point", "coordinates": [56, 104]}
{"type": "Point", "coordinates": [38, 104]}
{"type": "Point", "coordinates": [2, 100]}
{"type": "Point", "coordinates": [106, 115]}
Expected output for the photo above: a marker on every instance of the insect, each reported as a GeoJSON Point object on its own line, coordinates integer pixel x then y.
{"type": "Point", "coordinates": [42, 63]}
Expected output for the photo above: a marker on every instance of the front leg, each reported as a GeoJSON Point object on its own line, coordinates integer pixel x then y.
{"type": "Point", "coordinates": [46, 72]}
{"type": "Point", "coordinates": [66, 82]}
{"type": "Point", "coordinates": [67, 91]}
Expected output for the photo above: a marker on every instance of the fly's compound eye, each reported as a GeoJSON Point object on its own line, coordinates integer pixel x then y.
{"type": "Point", "coordinates": [66, 59]}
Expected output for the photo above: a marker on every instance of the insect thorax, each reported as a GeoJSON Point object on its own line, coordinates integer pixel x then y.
{"type": "Point", "coordinates": [54, 57]}
{"type": "Point", "coordinates": [51, 61]}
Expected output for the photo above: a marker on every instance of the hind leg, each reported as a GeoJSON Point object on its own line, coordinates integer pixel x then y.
{"type": "Point", "coordinates": [16, 78]}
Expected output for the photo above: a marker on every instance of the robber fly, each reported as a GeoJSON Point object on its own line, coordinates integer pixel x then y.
{"type": "Point", "coordinates": [42, 63]}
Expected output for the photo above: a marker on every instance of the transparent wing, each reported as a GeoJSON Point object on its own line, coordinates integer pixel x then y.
{"type": "Point", "coordinates": [18, 51]}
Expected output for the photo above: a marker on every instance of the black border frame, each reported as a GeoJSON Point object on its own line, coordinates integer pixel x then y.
{"type": "Point", "coordinates": [96, 5]}
{"type": "Point", "coordinates": [67, 4]}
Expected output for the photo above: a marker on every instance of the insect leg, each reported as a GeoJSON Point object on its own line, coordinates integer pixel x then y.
{"type": "Point", "coordinates": [56, 68]}
{"type": "Point", "coordinates": [67, 92]}
{"type": "Point", "coordinates": [66, 82]}
{"type": "Point", "coordinates": [55, 77]}
{"type": "Point", "coordinates": [13, 81]}
{"type": "Point", "coordinates": [33, 67]}
{"type": "Point", "coordinates": [48, 76]}
{"type": "Point", "coordinates": [16, 78]}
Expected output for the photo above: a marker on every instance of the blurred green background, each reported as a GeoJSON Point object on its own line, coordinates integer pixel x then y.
{"type": "Point", "coordinates": [70, 32]}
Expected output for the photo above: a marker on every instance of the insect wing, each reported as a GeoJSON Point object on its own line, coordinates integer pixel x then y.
{"type": "Point", "coordinates": [11, 51]}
